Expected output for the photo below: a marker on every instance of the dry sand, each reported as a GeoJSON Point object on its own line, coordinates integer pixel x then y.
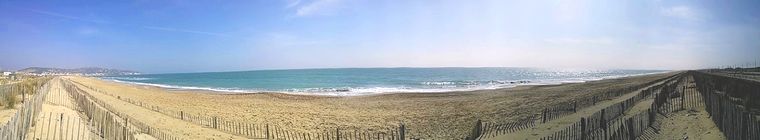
{"type": "Point", "coordinates": [427, 115]}
{"type": "Point", "coordinates": [689, 124]}
{"type": "Point", "coordinates": [173, 126]}
{"type": "Point", "coordinates": [7, 114]}
{"type": "Point", "coordinates": [55, 111]}
{"type": "Point", "coordinates": [692, 123]}
{"type": "Point", "coordinates": [550, 127]}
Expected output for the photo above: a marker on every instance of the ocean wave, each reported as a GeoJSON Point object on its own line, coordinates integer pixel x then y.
{"type": "Point", "coordinates": [129, 78]}
{"type": "Point", "coordinates": [422, 87]}
{"type": "Point", "coordinates": [378, 90]}
{"type": "Point", "coordinates": [469, 83]}
{"type": "Point", "coordinates": [232, 90]}
{"type": "Point", "coordinates": [342, 91]}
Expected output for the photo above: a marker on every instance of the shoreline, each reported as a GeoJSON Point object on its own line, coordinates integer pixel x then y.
{"type": "Point", "coordinates": [518, 83]}
{"type": "Point", "coordinates": [422, 113]}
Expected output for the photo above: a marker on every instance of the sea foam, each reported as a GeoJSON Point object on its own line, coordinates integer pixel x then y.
{"type": "Point", "coordinates": [353, 82]}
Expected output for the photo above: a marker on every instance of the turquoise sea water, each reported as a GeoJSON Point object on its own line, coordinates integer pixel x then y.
{"type": "Point", "coordinates": [359, 81]}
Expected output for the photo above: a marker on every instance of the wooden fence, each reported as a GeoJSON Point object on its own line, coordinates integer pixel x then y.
{"type": "Point", "coordinates": [58, 98]}
{"type": "Point", "coordinates": [52, 126]}
{"type": "Point", "coordinates": [107, 123]}
{"type": "Point", "coordinates": [609, 123]}
{"type": "Point", "coordinates": [617, 129]}
{"type": "Point", "coordinates": [731, 103]}
{"type": "Point", "coordinates": [666, 100]}
{"type": "Point", "coordinates": [563, 109]}
{"type": "Point", "coordinates": [692, 98]}
{"type": "Point", "coordinates": [488, 130]}
{"type": "Point", "coordinates": [743, 73]}
{"type": "Point", "coordinates": [728, 100]}
{"type": "Point", "coordinates": [250, 130]}
{"type": "Point", "coordinates": [19, 124]}
{"type": "Point", "coordinates": [741, 91]}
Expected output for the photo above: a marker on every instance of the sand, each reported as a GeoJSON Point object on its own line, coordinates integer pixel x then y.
{"type": "Point", "coordinates": [174, 127]}
{"type": "Point", "coordinates": [693, 122]}
{"type": "Point", "coordinates": [56, 110]}
{"type": "Point", "coordinates": [689, 124]}
{"type": "Point", "coordinates": [550, 127]}
{"type": "Point", "coordinates": [7, 114]}
{"type": "Point", "coordinates": [445, 115]}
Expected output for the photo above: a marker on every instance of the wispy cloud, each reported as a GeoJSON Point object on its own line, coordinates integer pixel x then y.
{"type": "Point", "coordinates": [319, 7]}
{"type": "Point", "coordinates": [292, 3]}
{"type": "Point", "coordinates": [49, 13]}
{"type": "Point", "coordinates": [283, 39]}
{"type": "Point", "coordinates": [682, 12]}
{"type": "Point", "coordinates": [90, 31]}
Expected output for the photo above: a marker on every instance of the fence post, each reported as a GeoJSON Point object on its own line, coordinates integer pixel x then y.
{"type": "Point", "coordinates": [683, 97]}
{"type": "Point", "coordinates": [603, 124]}
{"type": "Point", "coordinates": [575, 106]}
{"type": "Point", "coordinates": [544, 114]}
{"type": "Point", "coordinates": [746, 103]}
{"type": "Point", "coordinates": [622, 109]}
{"type": "Point", "coordinates": [401, 132]}
{"type": "Point", "coordinates": [215, 126]}
{"type": "Point", "coordinates": [629, 122]}
{"type": "Point", "coordinates": [651, 115]}
{"type": "Point", "coordinates": [267, 131]}
{"type": "Point", "coordinates": [583, 129]}
{"type": "Point", "coordinates": [61, 124]}
{"type": "Point", "coordinates": [181, 115]}
{"type": "Point", "coordinates": [126, 123]}
{"type": "Point", "coordinates": [476, 131]}
{"type": "Point", "coordinates": [337, 133]}
{"type": "Point", "coordinates": [720, 111]}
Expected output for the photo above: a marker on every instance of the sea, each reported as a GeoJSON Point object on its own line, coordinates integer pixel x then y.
{"type": "Point", "coordinates": [364, 81]}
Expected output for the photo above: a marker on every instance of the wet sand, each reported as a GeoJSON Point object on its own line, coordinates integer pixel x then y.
{"type": "Point", "coordinates": [444, 115]}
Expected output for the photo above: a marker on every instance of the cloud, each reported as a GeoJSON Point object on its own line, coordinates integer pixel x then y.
{"type": "Point", "coordinates": [282, 39]}
{"type": "Point", "coordinates": [292, 3]}
{"type": "Point", "coordinates": [65, 16]}
{"type": "Point", "coordinates": [682, 12]}
{"type": "Point", "coordinates": [319, 7]}
{"type": "Point", "coordinates": [88, 31]}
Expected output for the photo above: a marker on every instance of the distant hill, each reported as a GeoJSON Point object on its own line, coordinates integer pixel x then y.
{"type": "Point", "coordinates": [91, 71]}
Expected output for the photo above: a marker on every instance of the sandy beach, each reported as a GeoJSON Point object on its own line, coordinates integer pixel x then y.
{"type": "Point", "coordinates": [379, 70]}
{"type": "Point", "coordinates": [426, 115]}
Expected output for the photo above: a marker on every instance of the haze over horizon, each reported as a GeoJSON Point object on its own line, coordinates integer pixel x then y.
{"type": "Point", "coordinates": [194, 36]}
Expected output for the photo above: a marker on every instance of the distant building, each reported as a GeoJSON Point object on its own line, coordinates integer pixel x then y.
{"type": "Point", "coordinates": [6, 73]}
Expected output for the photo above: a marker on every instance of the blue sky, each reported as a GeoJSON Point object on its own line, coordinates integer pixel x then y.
{"type": "Point", "coordinates": [194, 36]}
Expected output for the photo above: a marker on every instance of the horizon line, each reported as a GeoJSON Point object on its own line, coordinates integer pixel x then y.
{"type": "Point", "coordinates": [325, 68]}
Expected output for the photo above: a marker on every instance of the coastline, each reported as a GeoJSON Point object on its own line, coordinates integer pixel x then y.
{"type": "Point", "coordinates": [423, 113]}
{"type": "Point", "coordinates": [513, 84]}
